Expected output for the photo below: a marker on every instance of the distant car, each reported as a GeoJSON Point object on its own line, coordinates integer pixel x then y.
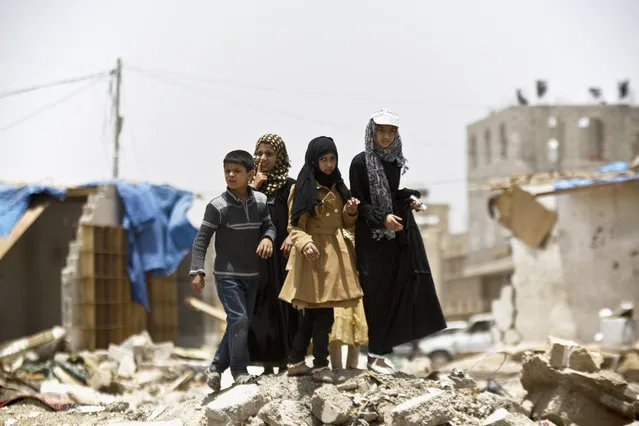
{"type": "Point", "coordinates": [458, 339]}
{"type": "Point", "coordinates": [409, 350]}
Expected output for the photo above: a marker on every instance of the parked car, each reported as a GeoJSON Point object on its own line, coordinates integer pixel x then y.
{"type": "Point", "coordinates": [458, 339]}
{"type": "Point", "coordinates": [410, 350]}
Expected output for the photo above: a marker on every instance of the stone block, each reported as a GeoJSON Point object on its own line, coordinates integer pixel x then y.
{"type": "Point", "coordinates": [330, 405]}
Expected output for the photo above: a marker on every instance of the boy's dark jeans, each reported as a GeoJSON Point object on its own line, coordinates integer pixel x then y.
{"type": "Point", "coordinates": [238, 300]}
{"type": "Point", "coordinates": [316, 324]}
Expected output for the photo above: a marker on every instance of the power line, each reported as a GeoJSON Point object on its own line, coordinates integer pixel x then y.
{"type": "Point", "coordinates": [323, 94]}
{"type": "Point", "coordinates": [10, 93]}
{"type": "Point", "coordinates": [48, 107]}
{"type": "Point", "coordinates": [207, 93]}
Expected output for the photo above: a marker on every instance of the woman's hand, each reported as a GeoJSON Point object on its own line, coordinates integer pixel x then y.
{"type": "Point", "coordinates": [393, 223]}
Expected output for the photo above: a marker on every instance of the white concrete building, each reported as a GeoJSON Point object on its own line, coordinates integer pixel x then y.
{"type": "Point", "coordinates": [567, 271]}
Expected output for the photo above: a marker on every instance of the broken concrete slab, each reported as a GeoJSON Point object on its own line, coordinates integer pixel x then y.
{"type": "Point", "coordinates": [175, 422]}
{"type": "Point", "coordinates": [235, 405]}
{"type": "Point", "coordinates": [286, 413]}
{"type": "Point", "coordinates": [102, 377]}
{"type": "Point", "coordinates": [568, 354]}
{"type": "Point", "coordinates": [153, 352]}
{"type": "Point", "coordinates": [54, 335]}
{"type": "Point", "coordinates": [571, 396]}
{"type": "Point", "coordinates": [461, 380]}
{"type": "Point", "coordinates": [81, 394]}
{"type": "Point", "coordinates": [431, 409]}
{"type": "Point", "coordinates": [330, 405]}
{"type": "Point", "coordinates": [503, 417]}
{"type": "Point", "coordinates": [629, 367]}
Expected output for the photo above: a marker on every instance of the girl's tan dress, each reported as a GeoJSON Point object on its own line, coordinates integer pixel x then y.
{"type": "Point", "coordinates": [350, 327]}
{"type": "Point", "coordinates": [330, 281]}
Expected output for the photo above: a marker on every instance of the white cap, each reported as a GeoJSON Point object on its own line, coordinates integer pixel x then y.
{"type": "Point", "coordinates": [384, 116]}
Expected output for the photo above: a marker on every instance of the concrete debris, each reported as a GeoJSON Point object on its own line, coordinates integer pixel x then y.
{"type": "Point", "coordinates": [330, 405]}
{"type": "Point", "coordinates": [10, 349]}
{"type": "Point", "coordinates": [564, 353]}
{"type": "Point", "coordinates": [502, 417]}
{"type": "Point", "coordinates": [235, 405]}
{"type": "Point", "coordinates": [80, 394]}
{"type": "Point", "coordinates": [132, 382]}
{"type": "Point", "coordinates": [286, 413]}
{"type": "Point", "coordinates": [461, 380]}
{"type": "Point", "coordinates": [431, 409]}
{"type": "Point", "coordinates": [102, 376]}
{"type": "Point", "coordinates": [566, 395]}
{"type": "Point", "coordinates": [629, 367]}
{"type": "Point", "coordinates": [142, 382]}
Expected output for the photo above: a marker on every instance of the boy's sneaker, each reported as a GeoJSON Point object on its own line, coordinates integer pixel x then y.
{"type": "Point", "coordinates": [299, 369]}
{"type": "Point", "coordinates": [213, 379]}
{"type": "Point", "coordinates": [323, 375]}
{"type": "Point", "coordinates": [244, 379]}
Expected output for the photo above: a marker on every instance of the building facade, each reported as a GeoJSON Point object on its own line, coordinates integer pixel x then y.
{"type": "Point", "coordinates": [523, 140]}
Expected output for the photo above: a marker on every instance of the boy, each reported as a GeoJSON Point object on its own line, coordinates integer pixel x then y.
{"type": "Point", "coordinates": [244, 231]}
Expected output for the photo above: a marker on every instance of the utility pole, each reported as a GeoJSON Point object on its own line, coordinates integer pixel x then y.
{"type": "Point", "coordinates": [117, 73]}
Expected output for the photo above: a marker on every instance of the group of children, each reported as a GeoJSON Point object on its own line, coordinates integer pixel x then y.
{"type": "Point", "coordinates": [290, 255]}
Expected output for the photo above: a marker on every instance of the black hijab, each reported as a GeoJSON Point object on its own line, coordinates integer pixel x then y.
{"type": "Point", "coordinates": [305, 196]}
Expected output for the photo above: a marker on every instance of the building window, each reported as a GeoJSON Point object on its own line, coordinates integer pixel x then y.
{"type": "Point", "coordinates": [472, 151]}
{"type": "Point", "coordinates": [503, 141]}
{"type": "Point", "coordinates": [488, 152]}
{"type": "Point", "coordinates": [591, 132]}
{"type": "Point", "coordinates": [635, 147]}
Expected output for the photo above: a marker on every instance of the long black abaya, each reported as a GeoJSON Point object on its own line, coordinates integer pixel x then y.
{"type": "Point", "coordinates": [274, 321]}
{"type": "Point", "coordinates": [400, 300]}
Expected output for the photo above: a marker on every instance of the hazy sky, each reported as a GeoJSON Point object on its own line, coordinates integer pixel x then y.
{"type": "Point", "coordinates": [223, 73]}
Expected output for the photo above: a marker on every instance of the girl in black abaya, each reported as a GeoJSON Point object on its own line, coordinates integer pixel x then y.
{"type": "Point", "coordinates": [400, 301]}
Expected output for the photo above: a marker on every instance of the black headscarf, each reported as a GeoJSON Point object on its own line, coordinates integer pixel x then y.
{"type": "Point", "coordinates": [305, 196]}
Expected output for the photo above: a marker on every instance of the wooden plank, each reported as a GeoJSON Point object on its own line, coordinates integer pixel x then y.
{"type": "Point", "coordinates": [198, 305]}
{"type": "Point", "coordinates": [27, 219]}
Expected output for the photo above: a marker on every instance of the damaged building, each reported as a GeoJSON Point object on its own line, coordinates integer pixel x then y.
{"type": "Point", "coordinates": [575, 250]}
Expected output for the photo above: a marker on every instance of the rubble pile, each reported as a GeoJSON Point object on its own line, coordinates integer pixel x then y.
{"type": "Point", "coordinates": [138, 380]}
{"type": "Point", "coordinates": [567, 386]}
{"type": "Point", "coordinates": [142, 382]}
{"type": "Point", "coordinates": [364, 398]}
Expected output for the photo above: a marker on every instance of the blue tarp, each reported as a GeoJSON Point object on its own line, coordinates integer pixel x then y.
{"type": "Point", "coordinates": [618, 166]}
{"type": "Point", "coordinates": [14, 201]}
{"type": "Point", "coordinates": [159, 232]}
